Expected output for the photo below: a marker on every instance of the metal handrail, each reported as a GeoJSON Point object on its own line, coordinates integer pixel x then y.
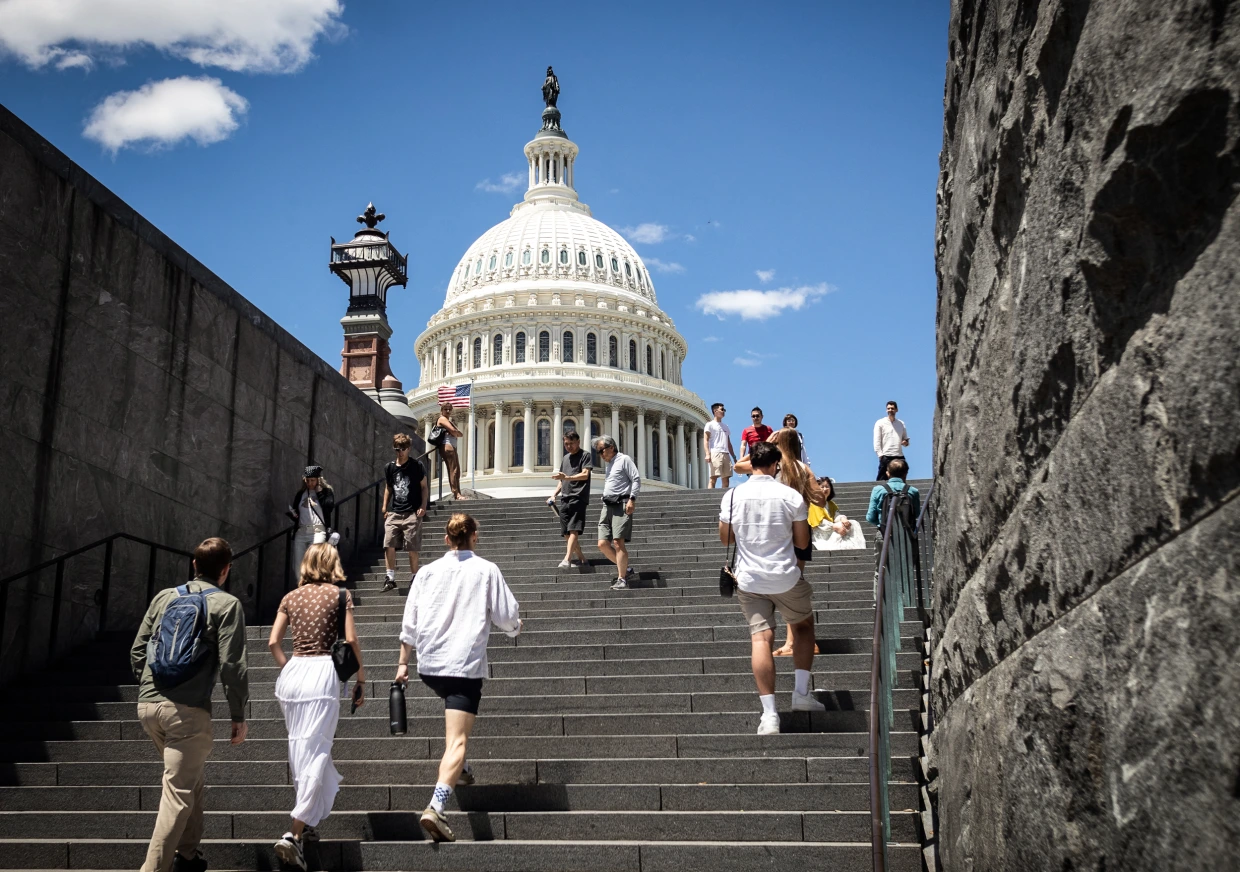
{"type": "Point", "coordinates": [102, 595]}
{"type": "Point", "coordinates": [889, 604]}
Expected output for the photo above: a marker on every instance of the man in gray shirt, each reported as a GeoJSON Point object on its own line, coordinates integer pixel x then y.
{"type": "Point", "coordinates": [615, 525]}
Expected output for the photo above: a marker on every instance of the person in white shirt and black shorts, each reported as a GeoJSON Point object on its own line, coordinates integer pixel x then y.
{"type": "Point", "coordinates": [448, 616]}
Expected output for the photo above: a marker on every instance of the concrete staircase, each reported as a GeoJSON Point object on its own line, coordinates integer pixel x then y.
{"type": "Point", "coordinates": [617, 733]}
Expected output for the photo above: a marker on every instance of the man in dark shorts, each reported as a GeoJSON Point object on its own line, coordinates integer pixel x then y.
{"type": "Point", "coordinates": [573, 489]}
{"type": "Point", "coordinates": [405, 497]}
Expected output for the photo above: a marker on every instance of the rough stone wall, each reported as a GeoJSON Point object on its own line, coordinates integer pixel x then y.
{"type": "Point", "coordinates": [139, 393]}
{"type": "Point", "coordinates": [1087, 437]}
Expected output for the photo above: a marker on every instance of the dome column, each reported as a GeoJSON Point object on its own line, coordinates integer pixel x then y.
{"type": "Point", "coordinates": [557, 433]}
{"type": "Point", "coordinates": [615, 421]}
{"type": "Point", "coordinates": [695, 480]}
{"type": "Point", "coordinates": [639, 437]}
{"type": "Point", "coordinates": [665, 472]}
{"type": "Point", "coordinates": [471, 442]}
{"type": "Point", "coordinates": [587, 433]}
{"type": "Point", "coordinates": [499, 465]}
{"type": "Point", "coordinates": [527, 456]}
{"type": "Point", "coordinates": [682, 477]}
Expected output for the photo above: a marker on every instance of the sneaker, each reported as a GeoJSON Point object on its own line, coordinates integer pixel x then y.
{"type": "Point", "coordinates": [289, 850]}
{"type": "Point", "coordinates": [436, 826]}
{"type": "Point", "coordinates": [619, 584]}
{"type": "Point", "coordinates": [563, 564]}
{"type": "Point", "coordinates": [309, 834]}
{"type": "Point", "coordinates": [465, 778]}
{"type": "Point", "coordinates": [389, 584]}
{"type": "Point", "coordinates": [769, 725]}
{"type": "Point", "coordinates": [197, 863]}
{"type": "Point", "coordinates": [806, 702]}
{"type": "Point", "coordinates": [630, 573]}
{"type": "Point", "coordinates": [576, 561]}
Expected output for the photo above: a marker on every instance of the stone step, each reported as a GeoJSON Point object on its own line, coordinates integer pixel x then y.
{"type": "Point", "coordinates": [470, 856]}
{"type": "Point", "coordinates": [618, 770]}
{"type": "Point", "coordinates": [558, 826]}
{"type": "Point", "coordinates": [482, 797]}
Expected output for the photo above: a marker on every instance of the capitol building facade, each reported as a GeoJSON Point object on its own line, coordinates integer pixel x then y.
{"type": "Point", "coordinates": [553, 317]}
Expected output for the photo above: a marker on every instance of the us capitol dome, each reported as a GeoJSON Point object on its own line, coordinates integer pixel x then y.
{"type": "Point", "coordinates": [553, 317]}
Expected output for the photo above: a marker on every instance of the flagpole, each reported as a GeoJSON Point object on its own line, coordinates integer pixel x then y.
{"type": "Point", "coordinates": [473, 441]}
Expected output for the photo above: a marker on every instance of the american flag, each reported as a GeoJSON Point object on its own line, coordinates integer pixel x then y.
{"type": "Point", "coordinates": [457, 395]}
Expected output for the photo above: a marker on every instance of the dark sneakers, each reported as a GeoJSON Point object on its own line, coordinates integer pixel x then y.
{"type": "Point", "coordinates": [197, 863]}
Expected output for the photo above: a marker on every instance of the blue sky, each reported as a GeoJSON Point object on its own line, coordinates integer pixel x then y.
{"type": "Point", "coordinates": [787, 146]}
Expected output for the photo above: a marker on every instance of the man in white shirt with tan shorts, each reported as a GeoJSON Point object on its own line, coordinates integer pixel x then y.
{"type": "Point", "coordinates": [717, 442]}
{"type": "Point", "coordinates": [766, 519]}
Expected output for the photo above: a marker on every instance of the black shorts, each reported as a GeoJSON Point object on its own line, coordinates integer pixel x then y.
{"type": "Point", "coordinates": [462, 694]}
{"type": "Point", "coordinates": [572, 516]}
{"type": "Point", "coordinates": [806, 554]}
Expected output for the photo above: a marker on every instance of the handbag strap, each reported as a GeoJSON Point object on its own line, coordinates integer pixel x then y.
{"type": "Point", "coordinates": [341, 608]}
{"type": "Point", "coordinates": [732, 524]}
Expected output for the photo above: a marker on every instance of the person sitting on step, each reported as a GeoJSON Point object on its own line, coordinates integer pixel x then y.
{"type": "Point", "coordinates": [448, 616]}
{"type": "Point", "coordinates": [767, 521]}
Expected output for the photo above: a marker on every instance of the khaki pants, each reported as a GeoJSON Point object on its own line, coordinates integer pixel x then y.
{"type": "Point", "coordinates": [182, 734]}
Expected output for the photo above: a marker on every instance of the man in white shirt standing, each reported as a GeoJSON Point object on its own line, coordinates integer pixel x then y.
{"type": "Point", "coordinates": [890, 438]}
{"type": "Point", "coordinates": [766, 519]}
{"type": "Point", "coordinates": [717, 442]}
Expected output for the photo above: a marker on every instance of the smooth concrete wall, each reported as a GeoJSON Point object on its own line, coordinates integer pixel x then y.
{"type": "Point", "coordinates": [142, 394]}
{"type": "Point", "coordinates": [1087, 445]}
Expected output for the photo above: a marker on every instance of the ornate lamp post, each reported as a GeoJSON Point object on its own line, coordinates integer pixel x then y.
{"type": "Point", "coordinates": [370, 265]}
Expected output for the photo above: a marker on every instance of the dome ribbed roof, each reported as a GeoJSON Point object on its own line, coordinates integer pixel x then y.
{"type": "Point", "coordinates": [498, 258]}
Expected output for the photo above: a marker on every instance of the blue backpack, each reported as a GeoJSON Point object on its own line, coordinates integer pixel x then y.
{"type": "Point", "coordinates": [177, 648]}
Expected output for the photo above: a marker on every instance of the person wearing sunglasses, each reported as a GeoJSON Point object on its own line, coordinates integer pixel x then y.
{"type": "Point", "coordinates": [406, 494]}
{"type": "Point", "coordinates": [717, 443]}
{"type": "Point", "coordinates": [754, 433]}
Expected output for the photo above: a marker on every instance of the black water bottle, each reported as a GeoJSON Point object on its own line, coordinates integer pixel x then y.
{"type": "Point", "coordinates": [396, 709]}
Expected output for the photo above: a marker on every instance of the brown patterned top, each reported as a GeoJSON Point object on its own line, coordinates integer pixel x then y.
{"type": "Point", "coordinates": [311, 612]}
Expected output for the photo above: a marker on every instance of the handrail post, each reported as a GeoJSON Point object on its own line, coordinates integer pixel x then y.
{"type": "Point", "coordinates": [105, 587]}
{"type": "Point", "coordinates": [56, 593]}
{"type": "Point", "coordinates": [150, 576]}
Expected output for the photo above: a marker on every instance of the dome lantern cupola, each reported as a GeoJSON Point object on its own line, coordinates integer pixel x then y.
{"type": "Point", "coordinates": [552, 155]}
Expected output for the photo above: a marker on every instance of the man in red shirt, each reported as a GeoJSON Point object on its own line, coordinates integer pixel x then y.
{"type": "Point", "coordinates": [755, 433]}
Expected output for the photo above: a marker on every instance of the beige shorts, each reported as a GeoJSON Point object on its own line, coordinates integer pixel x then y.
{"type": "Point", "coordinates": [402, 532]}
{"type": "Point", "coordinates": [759, 608]}
{"type": "Point", "coordinates": [720, 464]}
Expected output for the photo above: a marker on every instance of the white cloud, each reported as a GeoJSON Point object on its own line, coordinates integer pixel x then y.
{"type": "Point", "coordinates": [164, 113]}
{"type": "Point", "coordinates": [710, 338]}
{"type": "Point", "coordinates": [507, 183]}
{"type": "Point", "coordinates": [614, 191]}
{"type": "Point", "coordinates": [239, 35]}
{"type": "Point", "coordinates": [746, 361]}
{"type": "Point", "coordinates": [764, 275]}
{"type": "Point", "coordinates": [647, 233]}
{"type": "Point", "coordinates": [659, 266]}
{"type": "Point", "coordinates": [760, 305]}
{"type": "Point", "coordinates": [689, 237]}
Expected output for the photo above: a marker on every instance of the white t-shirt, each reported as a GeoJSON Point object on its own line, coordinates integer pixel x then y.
{"type": "Point", "coordinates": [761, 512]}
{"type": "Point", "coordinates": [888, 437]}
{"type": "Point", "coordinates": [448, 615]}
{"type": "Point", "coordinates": [719, 434]}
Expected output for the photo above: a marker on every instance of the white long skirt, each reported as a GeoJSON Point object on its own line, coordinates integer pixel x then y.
{"type": "Point", "coordinates": [309, 694]}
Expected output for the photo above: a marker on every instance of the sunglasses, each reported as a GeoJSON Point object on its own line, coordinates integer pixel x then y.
{"type": "Point", "coordinates": [755, 416]}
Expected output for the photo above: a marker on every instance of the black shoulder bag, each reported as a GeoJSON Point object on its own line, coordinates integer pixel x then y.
{"type": "Point", "coordinates": [437, 435]}
{"type": "Point", "coordinates": [344, 658]}
{"type": "Point", "coordinates": [727, 575]}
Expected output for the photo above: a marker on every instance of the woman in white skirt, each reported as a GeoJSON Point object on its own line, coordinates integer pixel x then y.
{"type": "Point", "coordinates": [308, 690]}
{"type": "Point", "coordinates": [448, 616]}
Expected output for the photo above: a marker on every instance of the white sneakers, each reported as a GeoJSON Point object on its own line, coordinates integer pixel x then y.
{"type": "Point", "coordinates": [769, 725]}
{"type": "Point", "coordinates": [289, 850]}
{"type": "Point", "coordinates": [806, 702]}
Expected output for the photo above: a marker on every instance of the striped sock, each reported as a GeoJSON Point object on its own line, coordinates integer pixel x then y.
{"type": "Point", "coordinates": [442, 793]}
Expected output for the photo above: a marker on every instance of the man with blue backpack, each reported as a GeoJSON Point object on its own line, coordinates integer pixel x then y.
{"type": "Point", "coordinates": [892, 498]}
{"type": "Point", "coordinates": [190, 634]}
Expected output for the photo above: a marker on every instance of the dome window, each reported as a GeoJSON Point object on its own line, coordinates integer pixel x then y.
{"type": "Point", "coordinates": [520, 353]}
{"type": "Point", "coordinates": [563, 255]}
{"type": "Point", "coordinates": [525, 257]}
{"type": "Point", "coordinates": [649, 360]}
{"type": "Point", "coordinates": [518, 443]}
{"type": "Point", "coordinates": [640, 283]}
{"type": "Point", "coordinates": [544, 347]}
{"type": "Point", "coordinates": [633, 355]}
{"type": "Point", "coordinates": [628, 271]}
{"type": "Point", "coordinates": [497, 348]}
{"type": "Point", "coordinates": [546, 256]}
{"type": "Point", "coordinates": [612, 350]}
{"type": "Point", "coordinates": [570, 426]}
{"type": "Point", "coordinates": [581, 258]}
{"type": "Point", "coordinates": [615, 265]}
{"type": "Point", "coordinates": [543, 445]}
{"type": "Point", "coordinates": [478, 353]}
{"type": "Point", "coordinates": [566, 347]}
{"type": "Point", "coordinates": [591, 348]}
{"type": "Point", "coordinates": [478, 267]}
{"type": "Point", "coordinates": [491, 264]}
{"type": "Point", "coordinates": [598, 261]}
{"type": "Point", "coordinates": [460, 356]}
{"type": "Point", "coordinates": [508, 259]}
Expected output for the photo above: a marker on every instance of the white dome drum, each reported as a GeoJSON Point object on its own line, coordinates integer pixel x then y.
{"type": "Point", "coordinates": [553, 317]}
